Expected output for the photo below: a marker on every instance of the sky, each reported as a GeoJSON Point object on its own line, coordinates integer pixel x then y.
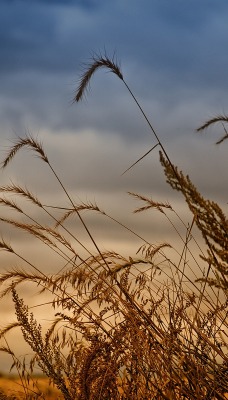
{"type": "Point", "coordinates": [173, 57]}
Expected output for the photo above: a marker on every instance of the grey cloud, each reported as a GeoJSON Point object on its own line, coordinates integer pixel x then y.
{"type": "Point", "coordinates": [173, 37]}
{"type": "Point", "coordinates": [41, 36]}
{"type": "Point", "coordinates": [172, 57]}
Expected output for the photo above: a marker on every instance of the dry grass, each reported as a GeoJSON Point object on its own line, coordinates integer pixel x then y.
{"type": "Point", "coordinates": [11, 388]}
{"type": "Point", "coordinates": [136, 328]}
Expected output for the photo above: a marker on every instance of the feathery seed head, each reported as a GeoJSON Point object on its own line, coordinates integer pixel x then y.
{"type": "Point", "coordinates": [97, 62]}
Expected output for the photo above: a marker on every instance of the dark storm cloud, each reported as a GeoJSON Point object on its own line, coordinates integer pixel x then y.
{"type": "Point", "coordinates": [44, 36]}
{"type": "Point", "coordinates": [172, 55]}
{"type": "Point", "coordinates": [55, 36]}
{"type": "Point", "coordinates": [28, 37]}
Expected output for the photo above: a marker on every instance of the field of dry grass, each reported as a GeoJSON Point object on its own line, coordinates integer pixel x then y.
{"type": "Point", "coordinates": [125, 328]}
{"type": "Point", "coordinates": [12, 387]}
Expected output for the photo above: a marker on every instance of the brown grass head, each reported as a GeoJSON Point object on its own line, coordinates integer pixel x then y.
{"type": "Point", "coordinates": [212, 121]}
{"type": "Point", "coordinates": [91, 68]}
{"type": "Point", "coordinates": [18, 190]}
{"type": "Point", "coordinates": [29, 142]}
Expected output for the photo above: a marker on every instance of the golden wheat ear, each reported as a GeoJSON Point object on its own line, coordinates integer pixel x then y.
{"type": "Point", "coordinates": [97, 62]}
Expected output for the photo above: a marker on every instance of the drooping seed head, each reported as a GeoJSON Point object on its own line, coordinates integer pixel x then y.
{"type": "Point", "coordinates": [97, 62]}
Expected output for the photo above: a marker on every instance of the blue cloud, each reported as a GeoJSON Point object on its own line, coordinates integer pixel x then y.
{"type": "Point", "coordinates": [170, 52]}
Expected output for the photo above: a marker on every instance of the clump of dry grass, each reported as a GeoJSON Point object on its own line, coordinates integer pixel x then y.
{"type": "Point", "coordinates": [142, 327]}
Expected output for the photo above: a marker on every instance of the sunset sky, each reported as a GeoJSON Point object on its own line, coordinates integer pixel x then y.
{"type": "Point", "coordinates": [173, 55]}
